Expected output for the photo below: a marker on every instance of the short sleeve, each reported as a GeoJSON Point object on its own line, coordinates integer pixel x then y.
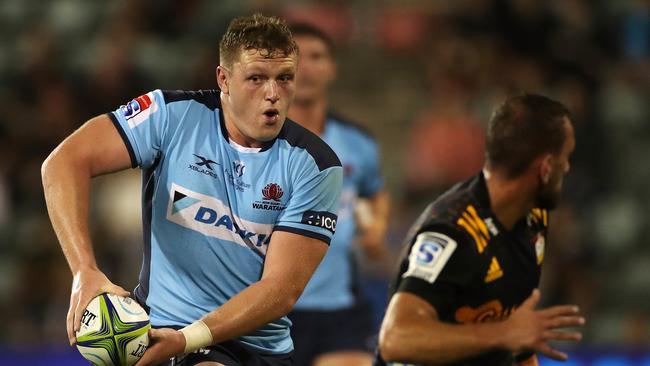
{"type": "Point", "coordinates": [372, 180]}
{"type": "Point", "coordinates": [141, 123]}
{"type": "Point", "coordinates": [437, 268]}
{"type": "Point", "coordinates": [311, 210]}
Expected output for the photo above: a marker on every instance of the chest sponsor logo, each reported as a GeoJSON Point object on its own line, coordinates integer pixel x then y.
{"type": "Point", "coordinates": [271, 198]}
{"type": "Point", "coordinates": [210, 216]}
{"type": "Point", "coordinates": [491, 311]}
{"type": "Point", "coordinates": [139, 109]}
{"type": "Point", "coordinates": [428, 256]}
{"type": "Point", "coordinates": [204, 165]}
{"type": "Point", "coordinates": [324, 219]}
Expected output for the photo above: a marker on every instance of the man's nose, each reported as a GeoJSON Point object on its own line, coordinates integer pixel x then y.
{"type": "Point", "coordinates": [272, 92]}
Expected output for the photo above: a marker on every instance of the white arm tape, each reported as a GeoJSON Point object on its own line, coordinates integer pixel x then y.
{"type": "Point", "coordinates": [197, 335]}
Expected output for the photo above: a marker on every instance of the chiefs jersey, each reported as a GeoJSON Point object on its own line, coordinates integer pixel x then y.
{"type": "Point", "coordinates": [471, 269]}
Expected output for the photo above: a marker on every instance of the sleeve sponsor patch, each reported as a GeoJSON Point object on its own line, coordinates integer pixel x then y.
{"type": "Point", "coordinates": [139, 109]}
{"type": "Point", "coordinates": [324, 219]}
{"type": "Point", "coordinates": [429, 255]}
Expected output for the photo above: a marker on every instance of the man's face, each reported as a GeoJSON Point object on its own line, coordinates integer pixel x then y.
{"type": "Point", "coordinates": [549, 193]}
{"type": "Point", "coordinates": [316, 68]}
{"type": "Point", "coordinates": [259, 90]}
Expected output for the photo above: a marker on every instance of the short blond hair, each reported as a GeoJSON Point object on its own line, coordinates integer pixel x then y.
{"type": "Point", "coordinates": [270, 35]}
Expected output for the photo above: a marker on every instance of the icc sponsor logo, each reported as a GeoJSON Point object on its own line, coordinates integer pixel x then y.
{"type": "Point", "coordinates": [324, 219]}
{"type": "Point", "coordinates": [238, 167]}
{"type": "Point", "coordinates": [271, 198]}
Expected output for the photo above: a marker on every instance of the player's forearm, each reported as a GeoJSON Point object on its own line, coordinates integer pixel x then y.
{"type": "Point", "coordinates": [66, 184]}
{"type": "Point", "coordinates": [375, 226]}
{"type": "Point", "coordinates": [380, 204]}
{"type": "Point", "coordinates": [255, 306]}
{"type": "Point", "coordinates": [436, 343]}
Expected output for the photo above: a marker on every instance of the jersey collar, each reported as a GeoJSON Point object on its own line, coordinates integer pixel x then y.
{"type": "Point", "coordinates": [482, 196]}
{"type": "Point", "coordinates": [224, 133]}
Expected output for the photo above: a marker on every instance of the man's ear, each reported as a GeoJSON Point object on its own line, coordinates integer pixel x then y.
{"type": "Point", "coordinates": [223, 79]}
{"type": "Point", "coordinates": [546, 168]}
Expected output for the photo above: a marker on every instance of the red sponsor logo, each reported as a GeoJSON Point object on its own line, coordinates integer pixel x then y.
{"type": "Point", "coordinates": [273, 192]}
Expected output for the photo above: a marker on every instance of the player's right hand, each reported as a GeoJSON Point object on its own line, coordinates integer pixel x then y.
{"type": "Point", "coordinates": [532, 330]}
{"type": "Point", "coordinates": [87, 284]}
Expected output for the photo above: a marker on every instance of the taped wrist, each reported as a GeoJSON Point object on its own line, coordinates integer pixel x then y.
{"type": "Point", "coordinates": [197, 335]}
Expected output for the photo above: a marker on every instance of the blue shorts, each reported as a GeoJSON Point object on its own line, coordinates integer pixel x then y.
{"type": "Point", "coordinates": [315, 333]}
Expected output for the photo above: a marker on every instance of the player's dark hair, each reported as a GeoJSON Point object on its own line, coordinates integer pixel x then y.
{"type": "Point", "coordinates": [523, 128]}
{"type": "Point", "coordinates": [306, 29]}
{"type": "Point", "coordinates": [267, 34]}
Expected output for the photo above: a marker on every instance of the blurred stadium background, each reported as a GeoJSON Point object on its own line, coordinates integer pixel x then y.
{"type": "Point", "coordinates": [421, 75]}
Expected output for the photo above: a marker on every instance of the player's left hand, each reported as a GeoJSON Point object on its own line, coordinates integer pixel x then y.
{"type": "Point", "coordinates": [164, 343]}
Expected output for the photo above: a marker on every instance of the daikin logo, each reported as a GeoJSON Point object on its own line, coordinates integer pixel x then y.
{"type": "Point", "coordinates": [211, 217]}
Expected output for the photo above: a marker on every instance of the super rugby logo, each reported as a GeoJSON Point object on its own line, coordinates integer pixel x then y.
{"type": "Point", "coordinates": [211, 217]}
{"type": "Point", "coordinates": [271, 198]}
{"type": "Point", "coordinates": [139, 109]}
{"type": "Point", "coordinates": [428, 255]}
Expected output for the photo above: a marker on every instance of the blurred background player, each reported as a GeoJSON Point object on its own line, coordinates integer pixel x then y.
{"type": "Point", "coordinates": [239, 205]}
{"type": "Point", "coordinates": [466, 289]}
{"type": "Point", "coordinates": [332, 320]}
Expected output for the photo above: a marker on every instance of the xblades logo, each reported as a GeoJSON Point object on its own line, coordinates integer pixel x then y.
{"type": "Point", "coordinates": [204, 166]}
{"type": "Point", "coordinates": [205, 162]}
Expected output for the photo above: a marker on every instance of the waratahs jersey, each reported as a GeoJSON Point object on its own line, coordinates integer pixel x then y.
{"type": "Point", "coordinates": [334, 284]}
{"type": "Point", "coordinates": [211, 206]}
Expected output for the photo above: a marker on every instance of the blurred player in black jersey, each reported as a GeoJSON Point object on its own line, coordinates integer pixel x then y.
{"type": "Point", "coordinates": [465, 292]}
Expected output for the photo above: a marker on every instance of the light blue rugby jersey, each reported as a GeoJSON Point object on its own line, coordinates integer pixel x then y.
{"type": "Point", "coordinates": [334, 284]}
{"type": "Point", "coordinates": [209, 209]}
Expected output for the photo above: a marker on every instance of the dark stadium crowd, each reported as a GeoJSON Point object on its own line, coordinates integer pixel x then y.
{"type": "Point", "coordinates": [421, 75]}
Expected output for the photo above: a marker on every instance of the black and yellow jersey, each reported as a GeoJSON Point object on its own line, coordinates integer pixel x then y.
{"type": "Point", "coordinates": [461, 259]}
